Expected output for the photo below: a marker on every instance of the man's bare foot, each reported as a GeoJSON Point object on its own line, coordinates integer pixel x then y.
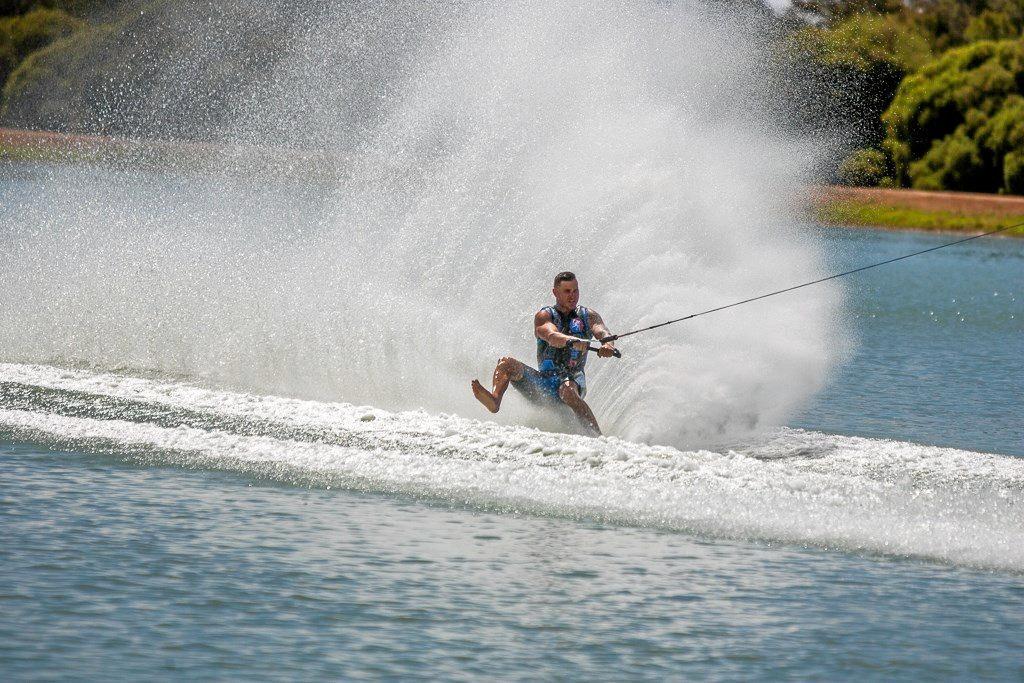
{"type": "Point", "coordinates": [485, 397]}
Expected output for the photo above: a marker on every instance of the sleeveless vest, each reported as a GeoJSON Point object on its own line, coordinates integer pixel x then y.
{"type": "Point", "coordinates": [565, 360]}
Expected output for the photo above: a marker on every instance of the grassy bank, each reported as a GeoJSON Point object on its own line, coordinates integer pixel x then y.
{"type": "Point", "coordinates": [916, 210]}
{"type": "Point", "coordinates": [895, 217]}
{"type": "Point", "coordinates": [163, 155]}
{"type": "Point", "coordinates": [46, 146]}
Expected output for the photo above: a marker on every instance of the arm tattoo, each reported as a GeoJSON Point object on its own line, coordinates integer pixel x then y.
{"type": "Point", "coordinates": [597, 324]}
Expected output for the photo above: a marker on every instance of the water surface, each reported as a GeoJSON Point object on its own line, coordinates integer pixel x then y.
{"type": "Point", "coordinates": [152, 528]}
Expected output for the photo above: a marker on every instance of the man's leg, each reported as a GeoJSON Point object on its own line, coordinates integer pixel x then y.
{"type": "Point", "coordinates": [507, 370]}
{"type": "Point", "coordinates": [570, 395]}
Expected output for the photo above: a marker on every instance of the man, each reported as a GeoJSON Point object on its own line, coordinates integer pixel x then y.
{"type": "Point", "coordinates": [562, 332]}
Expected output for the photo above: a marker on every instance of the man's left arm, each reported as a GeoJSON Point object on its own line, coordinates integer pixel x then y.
{"type": "Point", "coordinates": [597, 326]}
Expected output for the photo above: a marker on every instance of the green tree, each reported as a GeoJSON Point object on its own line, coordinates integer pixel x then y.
{"type": "Point", "coordinates": [145, 76]}
{"type": "Point", "coordinates": [954, 122]}
{"type": "Point", "coordinates": [78, 8]}
{"type": "Point", "coordinates": [831, 11]}
{"type": "Point", "coordinates": [864, 58]}
{"type": "Point", "coordinates": [23, 34]}
{"type": "Point", "coordinates": [48, 86]}
{"type": "Point", "coordinates": [953, 162]}
{"type": "Point", "coordinates": [992, 25]}
{"type": "Point", "coordinates": [945, 21]}
{"type": "Point", "coordinates": [865, 167]}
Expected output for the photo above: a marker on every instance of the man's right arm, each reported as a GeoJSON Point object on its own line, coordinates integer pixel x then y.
{"type": "Point", "coordinates": [544, 328]}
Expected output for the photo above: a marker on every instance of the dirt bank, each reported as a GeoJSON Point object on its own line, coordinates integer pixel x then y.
{"type": "Point", "coordinates": [956, 202]}
{"type": "Point", "coordinates": [968, 212]}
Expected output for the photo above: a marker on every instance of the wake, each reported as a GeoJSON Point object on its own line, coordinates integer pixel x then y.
{"type": "Point", "coordinates": [845, 493]}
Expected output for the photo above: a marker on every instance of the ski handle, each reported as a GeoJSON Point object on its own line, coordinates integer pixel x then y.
{"type": "Point", "coordinates": [595, 349]}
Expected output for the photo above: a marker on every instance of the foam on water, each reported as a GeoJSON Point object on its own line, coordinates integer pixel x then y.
{"type": "Point", "coordinates": [848, 493]}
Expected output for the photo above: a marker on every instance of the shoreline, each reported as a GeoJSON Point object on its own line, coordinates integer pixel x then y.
{"type": "Point", "coordinates": [27, 146]}
{"type": "Point", "coordinates": [831, 205]}
{"type": "Point", "coordinates": [962, 213]}
{"type": "Point", "coordinates": [950, 232]}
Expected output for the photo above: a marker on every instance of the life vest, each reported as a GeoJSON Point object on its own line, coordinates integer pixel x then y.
{"type": "Point", "coordinates": [566, 360]}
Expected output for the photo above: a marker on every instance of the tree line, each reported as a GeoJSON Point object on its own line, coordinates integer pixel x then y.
{"type": "Point", "coordinates": [935, 85]}
{"type": "Point", "coordinates": [932, 91]}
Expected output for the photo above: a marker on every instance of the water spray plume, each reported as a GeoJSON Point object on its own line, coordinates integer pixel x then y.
{"type": "Point", "coordinates": [478, 149]}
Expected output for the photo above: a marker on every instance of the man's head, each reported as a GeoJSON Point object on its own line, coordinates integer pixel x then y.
{"type": "Point", "coordinates": [566, 291]}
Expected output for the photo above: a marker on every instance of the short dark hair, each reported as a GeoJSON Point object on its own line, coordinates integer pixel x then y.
{"type": "Point", "coordinates": [564, 276]}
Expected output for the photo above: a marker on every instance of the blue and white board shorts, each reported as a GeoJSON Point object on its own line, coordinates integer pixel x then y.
{"type": "Point", "coordinates": [540, 386]}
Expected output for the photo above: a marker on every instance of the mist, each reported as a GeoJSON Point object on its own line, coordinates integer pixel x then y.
{"type": "Point", "coordinates": [475, 151]}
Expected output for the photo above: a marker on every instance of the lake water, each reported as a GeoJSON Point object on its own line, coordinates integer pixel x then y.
{"type": "Point", "coordinates": [939, 337]}
{"type": "Point", "coordinates": [153, 528]}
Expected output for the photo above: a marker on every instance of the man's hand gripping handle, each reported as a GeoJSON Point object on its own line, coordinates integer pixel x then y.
{"type": "Point", "coordinates": [595, 349]}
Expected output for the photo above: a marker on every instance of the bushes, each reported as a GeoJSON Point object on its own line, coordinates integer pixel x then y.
{"type": "Point", "coordinates": [29, 32]}
{"type": "Point", "coordinates": [49, 87]}
{"type": "Point", "coordinates": [991, 25]}
{"type": "Point", "coordinates": [21, 35]}
{"type": "Point", "coordinates": [865, 57]}
{"type": "Point", "coordinates": [935, 113]}
{"type": "Point", "coordinates": [145, 76]}
{"type": "Point", "coordinates": [1013, 172]}
{"type": "Point", "coordinates": [865, 167]}
{"type": "Point", "coordinates": [953, 123]}
{"type": "Point", "coordinates": [78, 8]}
{"type": "Point", "coordinates": [951, 163]}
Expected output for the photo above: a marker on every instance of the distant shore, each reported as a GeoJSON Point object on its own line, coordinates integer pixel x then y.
{"type": "Point", "coordinates": [40, 145]}
{"type": "Point", "coordinates": [236, 159]}
{"type": "Point", "coordinates": [887, 209]}
{"type": "Point", "coordinates": [899, 209]}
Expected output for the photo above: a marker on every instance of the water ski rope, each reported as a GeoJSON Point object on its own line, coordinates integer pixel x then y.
{"type": "Point", "coordinates": [806, 284]}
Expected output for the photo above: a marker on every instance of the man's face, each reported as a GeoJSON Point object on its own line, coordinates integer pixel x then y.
{"type": "Point", "coordinates": [567, 294]}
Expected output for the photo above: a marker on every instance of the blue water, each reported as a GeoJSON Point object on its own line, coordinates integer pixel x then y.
{"type": "Point", "coordinates": [113, 570]}
{"type": "Point", "coordinates": [940, 338]}
{"type": "Point", "coordinates": [136, 542]}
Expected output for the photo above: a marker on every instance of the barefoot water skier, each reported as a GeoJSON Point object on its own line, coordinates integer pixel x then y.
{"type": "Point", "coordinates": [562, 332]}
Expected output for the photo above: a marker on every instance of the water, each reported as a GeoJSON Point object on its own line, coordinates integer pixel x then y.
{"type": "Point", "coordinates": [236, 435]}
{"type": "Point", "coordinates": [154, 528]}
{"type": "Point", "coordinates": [939, 339]}
{"type": "Point", "coordinates": [117, 570]}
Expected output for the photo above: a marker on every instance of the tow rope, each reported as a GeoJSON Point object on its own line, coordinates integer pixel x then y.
{"type": "Point", "coordinates": [806, 284]}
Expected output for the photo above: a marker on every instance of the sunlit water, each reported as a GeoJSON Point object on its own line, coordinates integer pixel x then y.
{"type": "Point", "coordinates": [115, 570]}
{"type": "Point", "coordinates": [237, 436]}
{"type": "Point", "coordinates": [939, 342]}
{"type": "Point", "coordinates": [152, 527]}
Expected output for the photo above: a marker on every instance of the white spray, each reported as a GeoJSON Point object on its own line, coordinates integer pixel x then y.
{"type": "Point", "coordinates": [493, 145]}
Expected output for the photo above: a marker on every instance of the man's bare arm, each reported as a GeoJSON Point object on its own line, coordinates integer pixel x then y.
{"type": "Point", "coordinates": [545, 329]}
{"type": "Point", "coordinates": [598, 327]}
